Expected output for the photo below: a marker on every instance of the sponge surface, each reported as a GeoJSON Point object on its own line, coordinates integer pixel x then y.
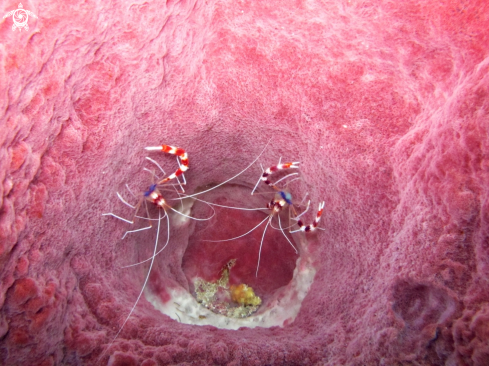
{"type": "Point", "coordinates": [386, 106]}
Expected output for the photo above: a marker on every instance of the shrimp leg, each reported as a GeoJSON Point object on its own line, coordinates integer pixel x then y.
{"type": "Point", "coordinates": [313, 226]}
{"type": "Point", "coordinates": [264, 177]}
{"type": "Point", "coordinates": [175, 151]}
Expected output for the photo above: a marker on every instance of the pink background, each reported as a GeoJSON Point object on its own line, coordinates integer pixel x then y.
{"type": "Point", "coordinates": [384, 103]}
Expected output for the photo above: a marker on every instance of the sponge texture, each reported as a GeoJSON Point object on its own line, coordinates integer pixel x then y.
{"type": "Point", "coordinates": [386, 106]}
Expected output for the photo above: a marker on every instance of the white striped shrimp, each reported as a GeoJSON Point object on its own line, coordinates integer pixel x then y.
{"type": "Point", "coordinates": [280, 202]}
{"type": "Point", "coordinates": [265, 179]}
{"type": "Point", "coordinates": [153, 195]}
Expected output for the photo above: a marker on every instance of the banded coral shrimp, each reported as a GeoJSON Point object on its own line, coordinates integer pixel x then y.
{"type": "Point", "coordinates": [214, 256]}
{"type": "Point", "coordinates": [282, 196]}
{"type": "Point", "coordinates": [154, 196]}
{"type": "Point", "coordinates": [282, 293]}
{"type": "Point", "coordinates": [280, 202]}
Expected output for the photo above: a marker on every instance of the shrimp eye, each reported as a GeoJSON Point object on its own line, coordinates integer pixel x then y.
{"type": "Point", "coordinates": [150, 190]}
{"type": "Point", "coordinates": [286, 196]}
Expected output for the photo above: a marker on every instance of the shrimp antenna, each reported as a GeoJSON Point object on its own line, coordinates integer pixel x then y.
{"type": "Point", "coordinates": [235, 176]}
{"type": "Point", "coordinates": [263, 236]}
{"type": "Point", "coordinates": [141, 229]}
{"type": "Point", "coordinates": [282, 230]}
{"type": "Point", "coordinates": [154, 255]}
{"type": "Point", "coordinates": [223, 206]}
{"type": "Point", "coordinates": [131, 192]}
{"type": "Point", "coordinates": [194, 218]}
{"type": "Point", "coordinates": [285, 177]}
{"type": "Point", "coordinates": [156, 163]}
{"type": "Point", "coordinates": [307, 208]}
{"type": "Point", "coordinates": [276, 228]}
{"type": "Point", "coordinates": [145, 281]}
{"type": "Point", "coordinates": [261, 244]}
{"type": "Point", "coordinates": [126, 203]}
{"type": "Point", "coordinates": [266, 218]}
{"type": "Point", "coordinates": [190, 217]}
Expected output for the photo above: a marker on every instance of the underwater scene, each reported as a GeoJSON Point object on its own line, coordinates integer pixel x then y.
{"type": "Point", "coordinates": [244, 183]}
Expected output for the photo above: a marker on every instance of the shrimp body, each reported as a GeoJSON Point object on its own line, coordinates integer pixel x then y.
{"type": "Point", "coordinates": [278, 203]}
{"type": "Point", "coordinates": [154, 196]}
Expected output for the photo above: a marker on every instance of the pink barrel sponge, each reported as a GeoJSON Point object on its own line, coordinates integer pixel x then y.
{"type": "Point", "coordinates": [384, 104]}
